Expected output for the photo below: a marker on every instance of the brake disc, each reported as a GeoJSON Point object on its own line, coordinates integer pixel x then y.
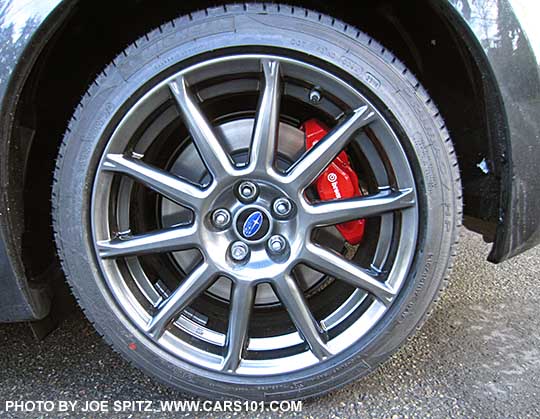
{"type": "Point", "coordinates": [236, 136]}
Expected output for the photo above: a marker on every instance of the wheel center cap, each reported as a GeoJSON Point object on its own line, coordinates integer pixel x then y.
{"type": "Point", "coordinates": [253, 224]}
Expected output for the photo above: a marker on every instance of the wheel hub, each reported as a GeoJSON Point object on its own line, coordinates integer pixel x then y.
{"type": "Point", "coordinates": [266, 236]}
{"type": "Point", "coordinates": [253, 224]}
{"type": "Point", "coordinates": [236, 135]}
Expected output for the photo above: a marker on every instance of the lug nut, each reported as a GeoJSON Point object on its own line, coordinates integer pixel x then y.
{"type": "Point", "coordinates": [248, 191]}
{"type": "Point", "coordinates": [315, 96]}
{"type": "Point", "coordinates": [277, 245]}
{"type": "Point", "coordinates": [239, 251]}
{"type": "Point", "coordinates": [282, 207]}
{"type": "Point", "coordinates": [221, 218]}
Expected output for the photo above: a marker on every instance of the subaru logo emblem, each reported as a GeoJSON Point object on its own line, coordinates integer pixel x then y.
{"type": "Point", "coordinates": [252, 225]}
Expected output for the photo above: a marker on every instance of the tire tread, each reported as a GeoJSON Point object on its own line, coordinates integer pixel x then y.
{"type": "Point", "coordinates": [299, 13]}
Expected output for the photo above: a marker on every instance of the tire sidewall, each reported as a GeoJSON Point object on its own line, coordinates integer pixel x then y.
{"type": "Point", "coordinates": [164, 51]}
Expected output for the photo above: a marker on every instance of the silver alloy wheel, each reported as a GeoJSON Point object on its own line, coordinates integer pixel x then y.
{"type": "Point", "coordinates": [164, 315]}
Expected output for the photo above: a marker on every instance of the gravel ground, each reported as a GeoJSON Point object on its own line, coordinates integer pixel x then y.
{"type": "Point", "coordinates": [477, 356]}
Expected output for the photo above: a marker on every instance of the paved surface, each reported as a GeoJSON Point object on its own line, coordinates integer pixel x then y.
{"type": "Point", "coordinates": [477, 356]}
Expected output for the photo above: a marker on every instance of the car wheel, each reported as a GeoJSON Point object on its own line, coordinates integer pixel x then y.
{"type": "Point", "coordinates": [206, 237]}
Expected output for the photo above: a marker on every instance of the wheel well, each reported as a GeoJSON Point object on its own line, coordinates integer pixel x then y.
{"type": "Point", "coordinates": [423, 36]}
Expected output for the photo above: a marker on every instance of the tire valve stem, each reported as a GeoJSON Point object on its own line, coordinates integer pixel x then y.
{"type": "Point", "coordinates": [123, 234]}
{"type": "Point", "coordinates": [315, 96]}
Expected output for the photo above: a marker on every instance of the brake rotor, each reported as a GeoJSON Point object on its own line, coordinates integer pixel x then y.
{"type": "Point", "coordinates": [236, 136]}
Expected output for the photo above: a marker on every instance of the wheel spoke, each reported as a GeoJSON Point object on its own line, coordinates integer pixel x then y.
{"type": "Point", "coordinates": [242, 298]}
{"type": "Point", "coordinates": [340, 211]}
{"type": "Point", "coordinates": [192, 286]}
{"type": "Point", "coordinates": [214, 156]}
{"type": "Point", "coordinates": [340, 268]}
{"type": "Point", "coordinates": [304, 172]}
{"type": "Point", "coordinates": [293, 299]}
{"type": "Point", "coordinates": [165, 183]}
{"type": "Point", "coordinates": [265, 132]}
{"type": "Point", "coordinates": [168, 240]}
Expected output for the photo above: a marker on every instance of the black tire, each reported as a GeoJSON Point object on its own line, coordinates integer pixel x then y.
{"type": "Point", "coordinates": [289, 29]}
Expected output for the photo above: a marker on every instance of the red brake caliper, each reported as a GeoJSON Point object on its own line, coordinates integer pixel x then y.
{"type": "Point", "coordinates": [338, 181]}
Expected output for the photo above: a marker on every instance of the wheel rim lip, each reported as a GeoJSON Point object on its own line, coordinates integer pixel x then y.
{"type": "Point", "coordinates": [138, 316]}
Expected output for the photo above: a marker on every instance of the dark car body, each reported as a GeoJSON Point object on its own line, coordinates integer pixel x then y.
{"type": "Point", "coordinates": [500, 36]}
